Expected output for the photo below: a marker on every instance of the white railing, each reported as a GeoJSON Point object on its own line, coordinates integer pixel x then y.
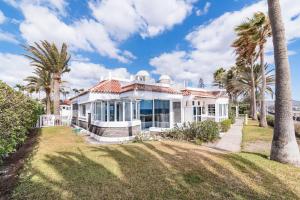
{"type": "Point", "coordinates": [53, 120]}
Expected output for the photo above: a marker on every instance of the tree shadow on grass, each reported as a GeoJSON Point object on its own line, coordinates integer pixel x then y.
{"type": "Point", "coordinates": [151, 171]}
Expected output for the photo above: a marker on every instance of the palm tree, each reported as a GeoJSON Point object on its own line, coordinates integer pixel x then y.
{"type": "Point", "coordinates": [245, 50]}
{"type": "Point", "coordinates": [259, 31]}
{"type": "Point", "coordinates": [41, 81]}
{"type": "Point", "coordinates": [218, 77]}
{"type": "Point", "coordinates": [21, 88]}
{"type": "Point", "coordinates": [47, 57]}
{"type": "Point", "coordinates": [64, 92]}
{"type": "Point", "coordinates": [242, 81]}
{"type": "Point", "coordinates": [75, 90]}
{"type": "Point", "coordinates": [284, 146]}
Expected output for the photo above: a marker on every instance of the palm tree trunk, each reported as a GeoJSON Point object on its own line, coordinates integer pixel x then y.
{"type": "Point", "coordinates": [284, 146]}
{"type": "Point", "coordinates": [48, 103]}
{"type": "Point", "coordinates": [253, 95]}
{"type": "Point", "coordinates": [56, 103]}
{"type": "Point", "coordinates": [263, 112]}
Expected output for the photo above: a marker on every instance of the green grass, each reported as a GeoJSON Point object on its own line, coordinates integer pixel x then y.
{"type": "Point", "coordinates": [64, 166]}
{"type": "Point", "coordinates": [252, 132]}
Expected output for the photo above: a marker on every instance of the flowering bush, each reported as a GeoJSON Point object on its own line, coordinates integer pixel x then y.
{"type": "Point", "coordinates": [18, 114]}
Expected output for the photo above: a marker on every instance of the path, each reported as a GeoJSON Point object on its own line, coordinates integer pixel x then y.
{"type": "Point", "coordinates": [231, 141]}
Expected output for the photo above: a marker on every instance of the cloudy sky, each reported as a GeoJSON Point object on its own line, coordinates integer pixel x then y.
{"type": "Point", "coordinates": [186, 39]}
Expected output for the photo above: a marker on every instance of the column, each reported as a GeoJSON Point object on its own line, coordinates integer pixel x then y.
{"type": "Point", "coordinates": [115, 111]}
{"type": "Point", "coordinates": [123, 110]}
{"type": "Point", "coordinates": [171, 113]}
{"type": "Point", "coordinates": [131, 110]}
{"type": "Point", "coordinates": [153, 116]}
{"type": "Point", "coordinates": [107, 110]}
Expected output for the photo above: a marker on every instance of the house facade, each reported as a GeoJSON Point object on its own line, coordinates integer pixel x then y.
{"type": "Point", "coordinates": [115, 110]}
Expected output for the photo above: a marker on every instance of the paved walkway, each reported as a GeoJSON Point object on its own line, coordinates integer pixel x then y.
{"type": "Point", "coordinates": [231, 141]}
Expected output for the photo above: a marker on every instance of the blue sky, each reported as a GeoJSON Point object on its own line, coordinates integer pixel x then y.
{"type": "Point", "coordinates": [186, 39]}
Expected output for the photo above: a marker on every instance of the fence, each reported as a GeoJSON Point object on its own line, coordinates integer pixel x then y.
{"type": "Point", "coordinates": [53, 120]}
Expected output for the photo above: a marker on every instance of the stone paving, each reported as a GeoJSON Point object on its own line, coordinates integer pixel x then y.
{"type": "Point", "coordinates": [231, 141]}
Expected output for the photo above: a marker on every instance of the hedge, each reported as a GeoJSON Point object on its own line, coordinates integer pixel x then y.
{"type": "Point", "coordinates": [18, 114]}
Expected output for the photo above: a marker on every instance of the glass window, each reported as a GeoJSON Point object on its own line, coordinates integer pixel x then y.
{"type": "Point", "coordinates": [177, 112]}
{"type": "Point", "coordinates": [112, 111]}
{"type": "Point", "coordinates": [220, 109]}
{"type": "Point", "coordinates": [127, 111]}
{"type": "Point", "coordinates": [134, 115]}
{"type": "Point", "coordinates": [197, 113]}
{"type": "Point", "coordinates": [75, 106]}
{"type": "Point", "coordinates": [162, 113]}
{"type": "Point", "coordinates": [146, 113]}
{"type": "Point", "coordinates": [104, 111]}
{"type": "Point", "coordinates": [211, 109]}
{"type": "Point", "coordinates": [138, 110]}
{"type": "Point", "coordinates": [98, 110]}
{"type": "Point", "coordinates": [83, 110]}
{"type": "Point", "coordinates": [119, 111]}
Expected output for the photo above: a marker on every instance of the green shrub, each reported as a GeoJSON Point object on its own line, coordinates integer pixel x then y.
{"type": "Point", "coordinates": [208, 132]}
{"type": "Point", "coordinates": [225, 125]}
{"type": "Point", "coordinates": [231, 116]}
{"type": "Point", "coordinates": [205, 131]}
{"type": "Point", "coordinates": [18, 114]}
{"type": "Point", "coordinates": [270, 120]}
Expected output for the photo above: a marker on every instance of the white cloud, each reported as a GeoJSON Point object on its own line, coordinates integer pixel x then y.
{"type": "Point", "coordinates": [211, 43]}
{"type": "Point", "coordinates": [87, 74]}
{"type": "Point", "coordinates": [84, 74]}
{"type": "Point", "coordinates": [87, 35]}
{"type": "Point", "coordinates": [4, 36]}
{"type": "Point", "coordinates": [205, 10]}
{"type": "Point", "coordinates": [14, 68]}
{"type": "Point", "coordinates": [2, 17]}
{"type": "Point", "coordinates": [56, 5]}
{"type": "Point", "coordinates": [148, 18]}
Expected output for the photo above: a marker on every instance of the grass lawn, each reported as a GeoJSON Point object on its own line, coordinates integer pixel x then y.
{"type": "Point", "coordinates": [257, 139]}
{"type": "Point", "coordinates": [64, 166]}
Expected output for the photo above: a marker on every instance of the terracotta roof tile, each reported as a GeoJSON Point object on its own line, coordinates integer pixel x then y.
{"type": "Point", "coordinates": [107, 86]}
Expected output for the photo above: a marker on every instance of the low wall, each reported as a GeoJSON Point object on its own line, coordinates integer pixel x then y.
{"type": "Point", "coordinates": [83, 124]}
{"type": "Point", "coordinates": [115, 131]}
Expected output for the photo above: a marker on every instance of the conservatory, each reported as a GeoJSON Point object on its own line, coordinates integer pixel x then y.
{"type": "Point", "coordinates": [120, 109]}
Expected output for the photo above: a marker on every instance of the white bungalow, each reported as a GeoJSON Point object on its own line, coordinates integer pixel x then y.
{"type": "Point", "coordinates": [115, 110]}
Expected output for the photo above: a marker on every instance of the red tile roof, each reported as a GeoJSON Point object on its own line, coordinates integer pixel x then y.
{"type": "Point", "coordinates": [152, 88]}
{"type": "Point", "coordinates": [66, 102]}
{"type": "Point", "coordinates": [107, 86]}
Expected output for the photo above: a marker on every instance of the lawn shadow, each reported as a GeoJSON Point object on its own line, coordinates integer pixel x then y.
{"type": "Point", "coordinates": [152, 171]}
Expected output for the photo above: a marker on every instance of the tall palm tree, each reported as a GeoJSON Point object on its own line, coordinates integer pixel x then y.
{"type": "Point", "coordinates": [47, 57]}
{"type": "Point", "coordinates": [41, 81]}
{"type": "Point", "coordinates": [245, 50]}
{"type": "Point", "coordinates": [260, 30]}
{"type": "Point", "coordinates": [284, 146]}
